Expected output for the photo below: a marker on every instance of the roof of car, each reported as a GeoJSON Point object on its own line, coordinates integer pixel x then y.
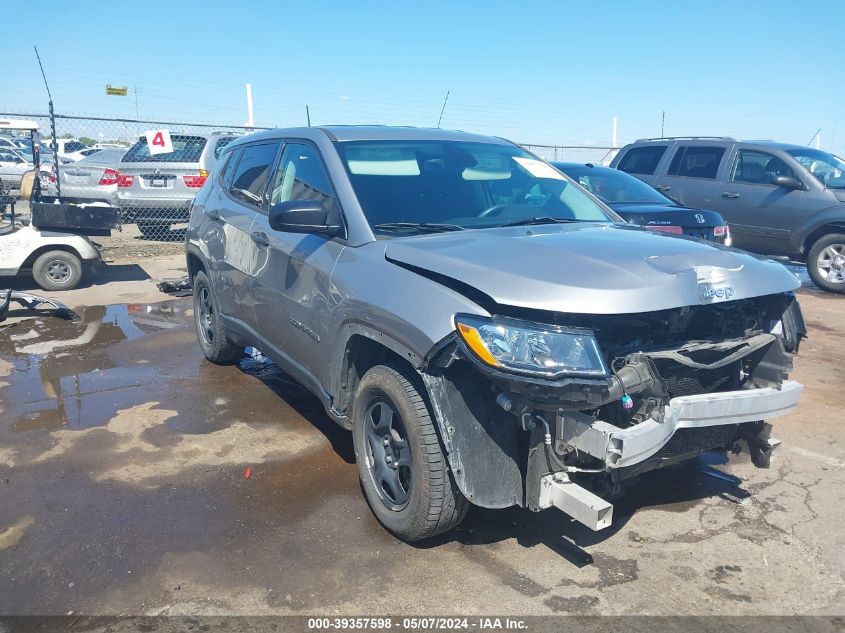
{"type": "Point", "coordinates": [572, 166]}
{"type": "Point", "coordinates": [374, 133]}
{"type": "Point", "coordinates": [705, 140]}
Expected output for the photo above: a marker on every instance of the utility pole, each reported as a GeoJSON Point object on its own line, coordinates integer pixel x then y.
{"type": "Point", "coordinates": [663, 125]}
{"type": "Point", "coordinates": [443, 109]}
{"type": "Point", "coordinates": [307, 115]}
{"type": "Point", "coordinates": [137, 112]}
{"type": "Point", "coordinates": [613, 135]}
{"type": "Point", "coordinates": [250, 121]}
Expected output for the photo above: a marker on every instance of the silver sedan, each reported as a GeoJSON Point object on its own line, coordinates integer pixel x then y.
{"type": "Point", "coordinates": [92, 179]}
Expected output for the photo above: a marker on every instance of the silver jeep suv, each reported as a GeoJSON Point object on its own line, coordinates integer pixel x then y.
{"type": "Point", "coordinates": [490, 332]}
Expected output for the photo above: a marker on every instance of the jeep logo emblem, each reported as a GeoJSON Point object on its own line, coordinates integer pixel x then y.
{"type": "Point", "coordinates": [709, 293]}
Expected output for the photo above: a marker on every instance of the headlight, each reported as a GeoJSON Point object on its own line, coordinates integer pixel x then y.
{"type": "Point", "coordinates": [532, 348]}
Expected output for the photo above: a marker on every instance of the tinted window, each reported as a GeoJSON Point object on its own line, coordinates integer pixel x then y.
{"type": "Point", "coordinates": [233, 157]}
{"type": "Point", "coordinates": [253, 171]}
{"type": "Point", "coordinates": [613, 186]}
{"type": "Point", "coordinates": [758, 167]}
{"type": "Point", "coordinates": [642, 160]}
{"type": "Point", "coordinates": [73, 146]}
{"type": "Point", "coordinates": [696, 162]}
{"type": "Point", "coordinates": [186, 149]}
{"type": "Point", "coordinates": [222, 144]}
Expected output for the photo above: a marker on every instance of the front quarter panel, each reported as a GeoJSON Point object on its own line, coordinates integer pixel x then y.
{"type": "Point", "coordinates": [392, 304]}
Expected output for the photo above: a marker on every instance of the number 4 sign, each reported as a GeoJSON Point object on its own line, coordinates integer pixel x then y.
{"type": "Point", "coordinates": [159, 142]}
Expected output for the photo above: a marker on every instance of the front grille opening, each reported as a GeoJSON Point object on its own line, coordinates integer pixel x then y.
{"type": "Point", "coordinates": [681, 380]}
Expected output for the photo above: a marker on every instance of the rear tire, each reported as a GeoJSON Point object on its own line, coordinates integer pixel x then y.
{"type": "Point", "coordinates": [826, 262]}
{"type": "Point", "coordinates": [403, 471]}
{"type": "Point", "coordinates": [211, 334]}
{"type": "Point", "coordinates": [57, 270]}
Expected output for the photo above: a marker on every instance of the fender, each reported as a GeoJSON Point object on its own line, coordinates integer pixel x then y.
{"type": "Point", "coordinates": [834, 216]}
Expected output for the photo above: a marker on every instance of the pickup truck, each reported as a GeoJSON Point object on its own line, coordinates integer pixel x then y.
{"type": "Point", "coordinates": [489, 331]}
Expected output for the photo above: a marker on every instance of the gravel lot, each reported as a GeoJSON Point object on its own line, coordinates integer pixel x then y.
{"type": "Point", "coordinates": [122, 491]}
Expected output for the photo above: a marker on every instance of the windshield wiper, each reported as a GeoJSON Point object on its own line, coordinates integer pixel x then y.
{"type": "Point", "coordinates": [432, 227]}
{"type": "Point", "coordinates": [544, 220]}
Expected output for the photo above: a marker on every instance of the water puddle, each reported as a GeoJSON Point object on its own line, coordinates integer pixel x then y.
{"type": "Point", "coordinates": [64, 374]}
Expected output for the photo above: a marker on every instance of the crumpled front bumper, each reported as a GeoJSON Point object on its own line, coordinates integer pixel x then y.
{"type": "Point", "coordinates": [619, 448]}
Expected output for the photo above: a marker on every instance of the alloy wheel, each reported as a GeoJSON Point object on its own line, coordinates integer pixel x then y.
{"type": "Point", "coordinates": [830, 263]}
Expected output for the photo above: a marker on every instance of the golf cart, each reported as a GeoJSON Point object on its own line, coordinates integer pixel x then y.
{"type": "Point", "coordinates": [53, 244]}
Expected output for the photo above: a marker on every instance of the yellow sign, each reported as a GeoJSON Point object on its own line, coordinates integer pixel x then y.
{"type": "Point", "coordinates": [118, 91]}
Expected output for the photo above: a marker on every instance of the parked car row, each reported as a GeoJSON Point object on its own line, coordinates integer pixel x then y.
{"type": "Point", "coordinates": [778, 199]}
{"type": "Point", "coordinates": [152, 190]}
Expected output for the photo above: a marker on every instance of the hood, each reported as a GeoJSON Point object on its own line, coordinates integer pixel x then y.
{"type": "Point", "coordinates": [839, 194]}
{"type": "Point", "coordinates": [647, 213]}
{"type": "Point", "coordinates": [592, 268]}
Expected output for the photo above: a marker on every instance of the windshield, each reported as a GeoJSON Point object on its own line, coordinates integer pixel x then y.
{"type": "Point", "coordinates": [614, 187]}
{"type": "Point", "coordinates": [453, 185]}
{"type": "Point", "coordinates": [827, 168]}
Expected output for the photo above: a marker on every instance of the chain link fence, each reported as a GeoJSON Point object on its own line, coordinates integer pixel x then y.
{"type": "Point", "coordinates": [98, 160]}
{"type": "Point", "coordinates": [574, 153]}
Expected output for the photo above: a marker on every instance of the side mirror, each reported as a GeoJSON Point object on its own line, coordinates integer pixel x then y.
{"type": "Point", "coordinates": [787, 182]}
{"type": "Point", "coordinates": [301, 216]}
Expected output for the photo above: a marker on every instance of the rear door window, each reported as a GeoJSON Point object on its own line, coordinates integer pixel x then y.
{"type": "Point", "coordinates": [758, 168]}
{"type": "Point", "coordinates": [186, 149]}
{"type": "Point", "coordinates": [252, 173]}
{"type": "Point", "coordinates": [696, 161]}
{"type": "Point", "coordinates": [642, 160]}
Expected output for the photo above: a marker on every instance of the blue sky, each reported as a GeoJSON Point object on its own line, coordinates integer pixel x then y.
{"type": "Point", "coordinates": [535, 72]}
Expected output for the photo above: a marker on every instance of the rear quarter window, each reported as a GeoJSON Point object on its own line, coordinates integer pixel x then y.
{"type": "Point", "coordinates": [642, 160]}
{"type": "Point", "coordinates": [222, 144]}
{"type": "Point", "coordinates": [186, 149]}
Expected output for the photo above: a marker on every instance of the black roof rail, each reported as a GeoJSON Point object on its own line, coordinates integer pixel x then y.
{"type": "Point", "coordinates": [687, 138]}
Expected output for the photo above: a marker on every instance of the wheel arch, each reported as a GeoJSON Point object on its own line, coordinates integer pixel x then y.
{"type": "Point", "coordinates": [835, 226]}
{"type": "Point", "coordinates": [195, 264]}
{"type": "Point", "coordinates": [38, 252]}
{"type": "Point", "coordinates": [363, 349]}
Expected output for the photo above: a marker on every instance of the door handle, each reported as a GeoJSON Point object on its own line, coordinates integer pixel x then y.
{"type": "Point", "coordinates": [663, 187]}
{"type": "Point", "coordinates": [260, 238]}
{"type": "Point", "coordinates": [212, 215]}
{"type": "Point", "coordinates": [730, 194]}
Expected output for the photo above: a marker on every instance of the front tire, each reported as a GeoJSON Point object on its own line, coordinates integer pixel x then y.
{"type": "Point", "coordinates": [826, 262]}
{"type": "Point", "coordinates": [403, 471]}
{"type": "Point", "coordinates": [57, 270]}
{"type": "Point", "coordinates": [212, 336]}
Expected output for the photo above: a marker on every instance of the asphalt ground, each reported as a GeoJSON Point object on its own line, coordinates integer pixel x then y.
{"type": "Point", "coordinates": [123, 457]}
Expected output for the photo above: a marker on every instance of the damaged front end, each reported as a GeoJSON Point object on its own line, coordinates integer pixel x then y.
{"type": "Point", "coordinates": [545, 409]}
